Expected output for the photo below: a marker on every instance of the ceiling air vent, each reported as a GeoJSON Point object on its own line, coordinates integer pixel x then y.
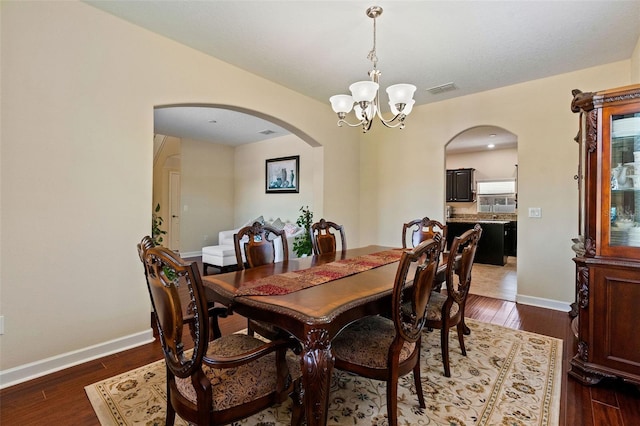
{"type": "Point", "coordinates": [442, 88]}
{"type": "Point", "coordinates": [267, 132]}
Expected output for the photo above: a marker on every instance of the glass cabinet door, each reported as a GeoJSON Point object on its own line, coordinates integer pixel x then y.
{"type": "Point", "coordinates": [621, 166]}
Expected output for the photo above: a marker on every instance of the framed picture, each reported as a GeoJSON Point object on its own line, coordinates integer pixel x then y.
{"type": "Point", "coordinates": [282, 175]}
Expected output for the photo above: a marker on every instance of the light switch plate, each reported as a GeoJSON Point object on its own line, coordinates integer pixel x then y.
{"type": "Point", "coordinates": [535, 212]}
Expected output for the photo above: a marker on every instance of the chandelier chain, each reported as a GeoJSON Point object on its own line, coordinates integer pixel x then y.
{"type": "Point", "coordinates": [372, 54]}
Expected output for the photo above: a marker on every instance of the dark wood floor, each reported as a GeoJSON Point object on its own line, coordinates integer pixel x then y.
{"type": "Point", "coordinates": [60, 399]}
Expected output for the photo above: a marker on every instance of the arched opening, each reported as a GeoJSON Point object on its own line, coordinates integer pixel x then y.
{"type": "Point", "coordinates": [482, 174]}
{"type": "Point", "coordinates": [217, 154]}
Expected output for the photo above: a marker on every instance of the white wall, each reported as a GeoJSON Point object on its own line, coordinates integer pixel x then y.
{"type": "Point", "coordinates": [251, 199]}
{"type": "Point", "coordinates": [403, 171]}
{"type": "Point", "coordinates": [78, 91]}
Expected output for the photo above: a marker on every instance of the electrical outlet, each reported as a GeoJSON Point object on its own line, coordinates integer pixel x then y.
{"type": "Point", "coordinates": [535, 212]}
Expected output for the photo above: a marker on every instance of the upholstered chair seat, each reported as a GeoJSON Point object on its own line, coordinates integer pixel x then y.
{"type": "Point", "coordinates": [242, 384]}
{"type": "Point", "coordinates": [434, 309]}
{"type": "Point", "coordinates": [367, 341]}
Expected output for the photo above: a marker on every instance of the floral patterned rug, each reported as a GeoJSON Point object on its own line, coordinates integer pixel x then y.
{"type": "Point", "coordinates": [509, 377]}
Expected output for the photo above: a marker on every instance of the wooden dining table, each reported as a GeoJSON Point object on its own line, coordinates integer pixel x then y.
{"type": "Point", "coordinates": [313, 315]}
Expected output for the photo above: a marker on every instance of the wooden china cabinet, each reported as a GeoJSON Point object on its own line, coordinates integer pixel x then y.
{"type": "Point", "coordinates": [608, 266]}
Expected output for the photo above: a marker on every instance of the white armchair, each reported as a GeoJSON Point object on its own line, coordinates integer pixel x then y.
{"type": "Point", "coordinates": [223, 255]}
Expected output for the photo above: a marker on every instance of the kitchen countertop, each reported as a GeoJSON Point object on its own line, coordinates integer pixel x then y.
{"type": "Point", "coordinates": [483, 218]}
{"type": "Point", "coordinates": [467, 220]}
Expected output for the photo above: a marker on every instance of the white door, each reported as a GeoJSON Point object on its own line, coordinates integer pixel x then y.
{"type": "Point", "coordinates": [174, 211]}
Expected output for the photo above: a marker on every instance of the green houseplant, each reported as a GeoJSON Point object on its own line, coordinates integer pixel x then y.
{"type": "Point", "coordinates": [156, 223]}
{"type": "Point", "coordinates": [302, 243]}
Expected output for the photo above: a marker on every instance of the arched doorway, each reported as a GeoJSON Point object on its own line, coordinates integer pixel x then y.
{"type": "Point", "coordinates": [219, 152]}
{"type": "Point", "coordinates": [490, 154]}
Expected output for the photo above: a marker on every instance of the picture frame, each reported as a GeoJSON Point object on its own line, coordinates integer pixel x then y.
{"type": "Point", "coordinates": [282, 175]}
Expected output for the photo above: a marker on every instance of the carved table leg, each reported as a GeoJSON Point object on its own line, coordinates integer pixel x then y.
{"type": "Point", "coordinates": [317, 364]}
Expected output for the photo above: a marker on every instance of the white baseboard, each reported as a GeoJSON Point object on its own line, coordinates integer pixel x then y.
{"type": "Point", "coordinates": [23, 373]}
{"type": "Point", "coordinates": [543, 303]}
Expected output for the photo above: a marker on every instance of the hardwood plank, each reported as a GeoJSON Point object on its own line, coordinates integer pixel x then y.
{"type": "Point", "coordinates": [629, 402]}
{"type": "Point", "coordinates": [604, 414]}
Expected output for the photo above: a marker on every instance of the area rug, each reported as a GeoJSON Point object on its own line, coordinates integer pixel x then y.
{"type": "Point", "coordinates": [508, 377]}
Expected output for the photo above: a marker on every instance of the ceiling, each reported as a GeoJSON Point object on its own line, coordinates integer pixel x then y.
{"type": "Point", "coordinates": [318, 48]}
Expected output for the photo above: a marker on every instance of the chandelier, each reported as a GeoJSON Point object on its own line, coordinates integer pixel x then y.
{"type": "Point", "coordinates": [364, 98]}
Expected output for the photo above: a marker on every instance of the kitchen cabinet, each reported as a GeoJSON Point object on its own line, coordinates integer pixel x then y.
{"type": "Point", "coordinates": [608, 264]}
{"type": "Point", "coordinates": [460, 185]}
{"type": "Point", "coordinates": [511, 239]}
{"type": "Point", "coordinates": [491, 247]}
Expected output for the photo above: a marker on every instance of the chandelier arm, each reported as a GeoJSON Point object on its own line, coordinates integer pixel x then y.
{"type": "Point", "coordinates": [343, 121]}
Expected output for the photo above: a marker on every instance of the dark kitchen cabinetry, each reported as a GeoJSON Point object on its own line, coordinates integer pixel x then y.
{"type": "Point", "coordinates": [608, 264]}
{"type": "Point", "coordinates": [491, 247]}
{"type": "Point", "coordinates": [460, 185]}
{"type": "Point", "coordinates": [511, 239]}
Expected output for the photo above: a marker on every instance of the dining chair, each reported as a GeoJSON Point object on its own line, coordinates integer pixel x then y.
{"type": "Point", "coordinates": [419, 230]}
{"type": "Point", "coordinates": [387, 347]}
{"type": "Point", "coordinates": [219, 381]}
{"type": "Point", "coordinates": [447, 310]}
{"type": "Point", "coordinates": [422, 229]}
{"type": "Point", "coordinates": [215, 310]}
{"type": "Point", "coordinates": [259, 243]}
{"type": "Point", "coordinates": [323, 240]}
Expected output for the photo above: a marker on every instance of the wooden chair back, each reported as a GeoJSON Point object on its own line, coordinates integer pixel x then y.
{"type": "Point", "coordinates": [259, 248]}
{"type": "Point", "coordinates": [166, 273]}
{"type": "Point", "coordinates": [422, 229]}
{"type": "Point", "coordinates": [460, 263]}
{"type": "Point", "coordinates": [410, 315]}
{"type": "Point", "coordinates": [323, 240]}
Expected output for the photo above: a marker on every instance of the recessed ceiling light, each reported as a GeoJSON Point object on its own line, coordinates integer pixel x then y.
{"type": "Point", "coordinates": [492, 135]}
{"type": "Point", "coordinates": [490, 146]}
{"type": "Point", "coordinates": [212, 121]}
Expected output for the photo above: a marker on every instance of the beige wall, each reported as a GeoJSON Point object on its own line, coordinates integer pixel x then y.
{"type": "Point", "coordinates": [251, 199]}
{"type": "Point", "coordinates": [78, 91]}
{"type": "Point", "coordinates": [167, 159]}
{"type": "Point", "coordinates": [207, 193]}
{"type": "Point", "coordinates": [498, 164]}
{"type": "Point", "coordinates": [635, 64]}
{"type": "Point", "coordinates": [538, 113]}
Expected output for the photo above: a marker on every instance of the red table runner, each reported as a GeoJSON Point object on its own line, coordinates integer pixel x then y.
{"type": "Point", "coordinates": [304, 278]}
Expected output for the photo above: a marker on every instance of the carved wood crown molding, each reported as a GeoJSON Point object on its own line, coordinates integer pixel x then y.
{"type": "Point", "coordinates": [582, 101]}
{"type": "Point", "coordinates": [623, 97]}
{"type": "Point", "coordinates": [586, 101]}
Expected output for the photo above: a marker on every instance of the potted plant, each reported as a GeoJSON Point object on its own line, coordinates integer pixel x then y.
{"type": "Point", "coordinates": [156, 232]}
{"type": "Point", "coordinates": [302, 243]}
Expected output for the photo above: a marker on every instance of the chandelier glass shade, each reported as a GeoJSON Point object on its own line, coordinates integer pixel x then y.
{"type": "Point", "coordinates": [364, 99]}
